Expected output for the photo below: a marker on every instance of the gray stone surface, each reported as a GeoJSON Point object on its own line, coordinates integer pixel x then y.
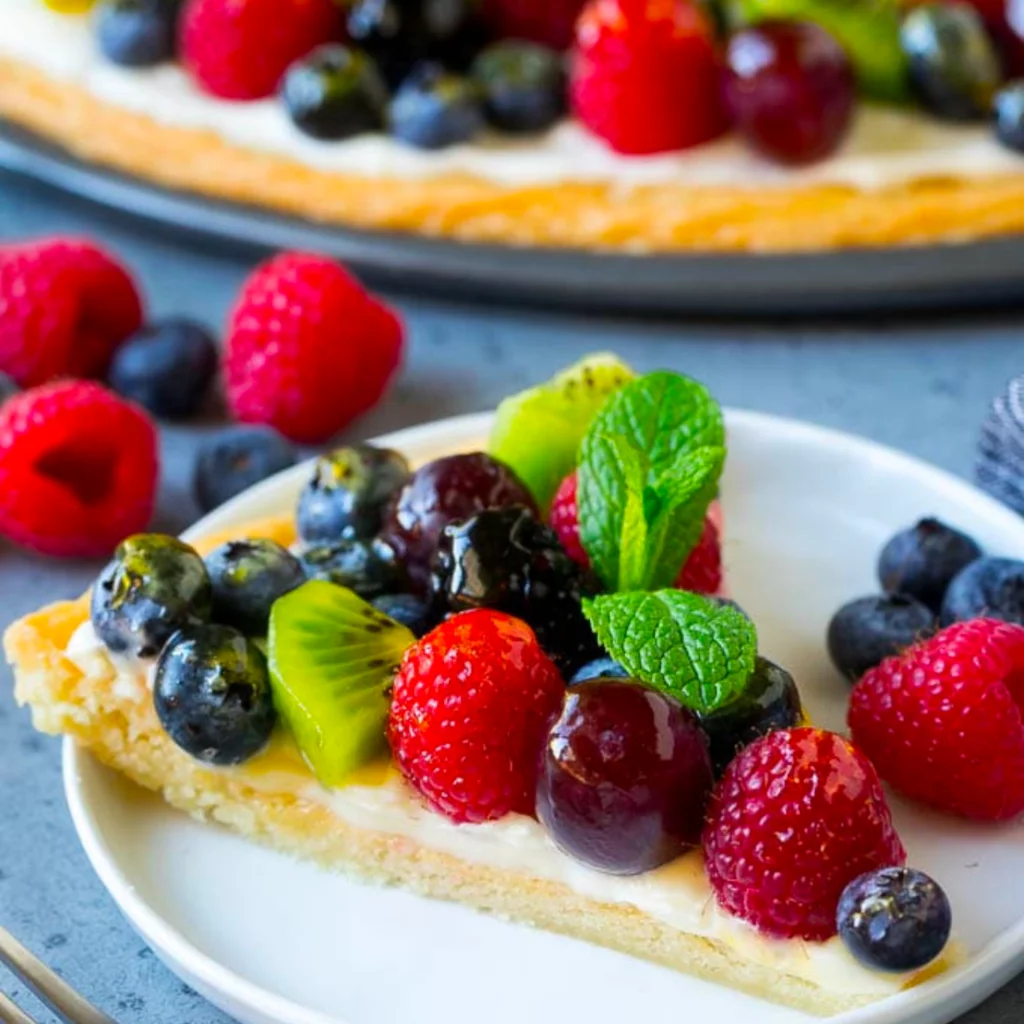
{"type": "Point", "coordinates": [921, 385]}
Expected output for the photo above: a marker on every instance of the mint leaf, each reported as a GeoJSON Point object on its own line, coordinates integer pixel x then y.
{"type": "Point", "coordinates": [693, 648]}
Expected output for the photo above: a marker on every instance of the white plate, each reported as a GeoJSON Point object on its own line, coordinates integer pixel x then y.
{"type": "Point", "coordinates": [269, 939]}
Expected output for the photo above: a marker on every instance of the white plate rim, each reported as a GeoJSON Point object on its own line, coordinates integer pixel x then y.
{"type": "Point", "coordinates": [963, 987]}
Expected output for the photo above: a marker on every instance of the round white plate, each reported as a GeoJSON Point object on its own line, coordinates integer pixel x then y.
{"type": "Point", "coordinates": [269, 939]}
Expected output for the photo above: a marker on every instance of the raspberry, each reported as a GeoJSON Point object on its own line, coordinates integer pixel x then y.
{"type": "Point", "coordinates": [78, 469]}
{"type": "Point", "coordinates": [550, 22]}
{"type": "Point", "coordinates": [646, 76]}
{"type": "Point", "coordinates": [795, 818]}
{"type": "Point", "coordinates": [240, 49]}
{"type": "Point", "coordinates": [943, 721]}
{"type": "Point", "coordinates": [307, 350]}
{"type": "Point", "coordinates": [472, 702]}
{"type": "Point", "coordinates": [702, 572]}
{"type": "Point", "coordinates": [65, 306]}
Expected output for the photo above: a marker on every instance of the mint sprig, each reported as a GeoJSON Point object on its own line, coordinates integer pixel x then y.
{"type": "Point", "coordinates": [691, 647]}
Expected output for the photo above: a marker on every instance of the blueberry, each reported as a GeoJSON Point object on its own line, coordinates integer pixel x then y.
{"type": "Point", "coordinates": [234, 460]}
{"type": "Point", "coordinates": [1009, 111]}
{"type": "Point", "coordinates": [954, 67]}
{"type": "Point", "coordinates": [434, 109]}
{"type": "Point", "coordinates": [248, 576]}
{"type": "Point", "coordinates": [369, 567]}
{"type": "Point", "coordinates": [153, 586]}
{"type": "Point", "coordinates": [335, 93]}
{"type": "Point", "coordinates": [992, 588]}
{"type": "Point", "coordinates": [138, 33]}
{"type": "Point", "coordinates": [769, 701]}
{"type": "Point", "coordinates": [212, 694]}
{"type": "Point", "coordinates": [167, 368]}
{"type": "Point", "coordinates": [922, 560]}
{"type": "Point", "coordinates": [349, 492]}
{"type": "Point", "coordinates": [895, 919]}
{"type": "Point", "coordinates": [416, 614]}
{"type": "Point", "coordinates": [863, 633]}
{"type": "Point", "coordinates": [600, 668]}
{"type": "Point", "coordinates": [524, 85]}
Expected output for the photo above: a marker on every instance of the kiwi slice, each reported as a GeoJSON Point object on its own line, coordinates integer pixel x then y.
{"type": "Point", "coordinates": [332, 657]}
{"type": "Point", "coordinates": [869, 30]}
{"type": "Point", "coordinates": [538, 432]}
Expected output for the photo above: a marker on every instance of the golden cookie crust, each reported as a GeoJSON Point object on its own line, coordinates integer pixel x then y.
{"type": "Point", "coordinates": [654, 218]}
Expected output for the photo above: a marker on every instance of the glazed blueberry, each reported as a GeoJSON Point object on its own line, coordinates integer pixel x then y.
{"type": "Point", "coordinates": [416, 614]}
{"type": "Point", "coordinates": [153, 586]}
{"type": "Point", "coordinates": [248, 576]}
{"type": "Point", "coordinates": [1009, 110]}
{"type": "Point", "coordinates": [138, 33]}
{"type": "Point", "coordinates": [349, 492]}
{"type": "Point", "coordinates": [895, 919]}
{"type": "Point", "coordinates": [524, 85]}
{"type": "Point", "coordinates": [863, 633]}
{"type": "Point", "coordinates": [507, 560]}
{"type": "Point", "coordinates": [922, 560]}
{"type": "Point", "coordinates": [600, 668]}
{"type": "Point", "coordinates": [769, 701]}
{"type": "Point", "coordinates": [212, 694]}
{"type": "Point", "coordinates": [234, 460]}
{"type": "Point", "coordinates": [446, 491]}
{"type": "Point", "coordinates": [434, 109]}
{"type": "Point", "coordinates": [368, 567]}
{"type": "Point", "coordinates": [992, 588]}
{"type": "Point", "coordinates": [167, 368]}
{"type": "Point", "coordinates": [335, 93]}
{"type": "Point", "coordinates": [955, 68]}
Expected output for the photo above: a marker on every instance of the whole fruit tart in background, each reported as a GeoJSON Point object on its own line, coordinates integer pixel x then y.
{"type": "Point", "coordinates": [633, 125]}
{"type": "Point", "coordinates": [513, 678]}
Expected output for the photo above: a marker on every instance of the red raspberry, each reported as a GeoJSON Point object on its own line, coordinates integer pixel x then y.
{"type": "Point", "coordinates": [307, 350]}
{"type": "Point", "coordinates": [943, 721]}
{"type": "Point", "coordinates": [550, 22]}
{"type": "Point", "coordinates": [239, 49]}
{"type": "Point", "coordinates": [65, 306]}
{"type": "Point", "coordinates": [702, 572]}
{"type": "Point", "coordinates": [471, 704]}
{"type": "Point", "coordinates": [797, 816]}
{"type": "Point", "coordinates": [646, 76]}
{"type": "Point", "coordinates": [78, 469]}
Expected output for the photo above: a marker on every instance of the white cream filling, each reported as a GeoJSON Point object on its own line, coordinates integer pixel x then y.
{"type": "Point", "coordinates": [887, 147]}
{"type": "Point", "coordinates": [677, 894]}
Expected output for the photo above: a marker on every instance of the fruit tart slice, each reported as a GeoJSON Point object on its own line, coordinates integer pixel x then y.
{"type": "Point", "coordinates": [414, 681]}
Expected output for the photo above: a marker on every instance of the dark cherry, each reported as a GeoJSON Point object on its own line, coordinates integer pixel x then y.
{"type": "Point", "coordinates": [625, 775]}
{"type": "Point", "coordinates": [792, 90]}
{"type": "Point", "coordinates": [447, 491]}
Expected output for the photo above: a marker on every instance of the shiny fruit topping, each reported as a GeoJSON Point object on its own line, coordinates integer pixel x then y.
{"type": "Point", "coordinates": [234, 460]}
{"type": "Point", "coordinates": [791, 89]}
{"type": "Point", "coordinates": [524, 85]}
{"type": "Point", "coordinates": [248, 576]}
{"type": "Point", "coordinates": [769, 701]}
{"type": "Point", "coordinates": [434, 108]}
{"type": "Point", "coordinates": [417, 615]}
{"type": "Point", "coordinates": [600, 668]}
{"type": "Point", "coordinates": [646, 75]}
{"type": "Point", "coordinates": [991, 588]}
{"type": "Point", "coordinates": [955, 68]}
{"type": "Point", "coordinates": [795, 818]}
{"type": "Point", "coordinates": [153, 586]}
{"type": "Point", "coordinates": [625, 777]}
{"type": "Point", "coordinates": [864, 632]}
{"type": "Point", "coordinates": [212, 694]}
{"type": "Point", "coordinates": [138, 33]}
{"type": "Point", "coordinates": [895, 919]}
{"type": "Point", "coordinates": [445, 491]}
{"type": "Point", "coordinates": [368, 567]}
{"type": "Point", "coordinates": [349, 492]}
{"type": "Point", "coordinates": [335, 93]}
{"type": "Point", "coordinates": [470, 707]}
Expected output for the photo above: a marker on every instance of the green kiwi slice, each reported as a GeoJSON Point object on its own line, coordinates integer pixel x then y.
{"type": "Point", "coordinates": [332, 657]}
{"type": "Point", "coordinates": [538, 432]}
{"type": "Point", "coordinates": [868, 29]}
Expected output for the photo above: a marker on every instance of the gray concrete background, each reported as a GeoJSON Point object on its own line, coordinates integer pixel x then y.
{"type": "Point", "coordinates": [920, 384]}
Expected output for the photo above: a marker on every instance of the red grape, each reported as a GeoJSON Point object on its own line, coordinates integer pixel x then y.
{"type": "Point", "coordinates": [625, 776]}
{"type": "Point", "coordinates": [791, 88]}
